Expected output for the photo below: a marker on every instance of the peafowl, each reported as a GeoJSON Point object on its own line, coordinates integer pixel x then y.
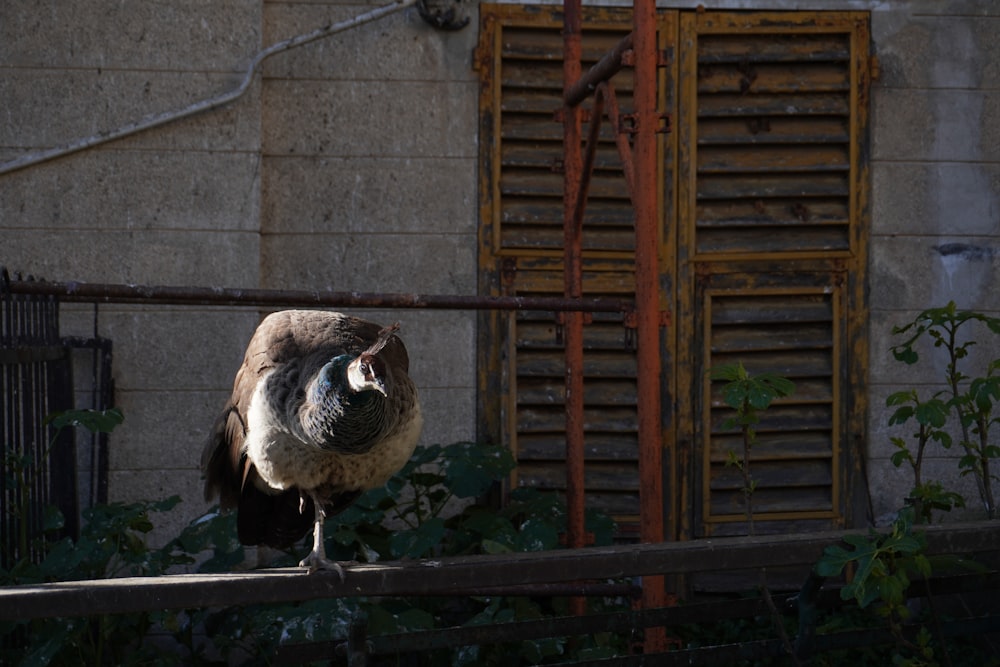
{"type": "Point", "coordinates": [322, 410]}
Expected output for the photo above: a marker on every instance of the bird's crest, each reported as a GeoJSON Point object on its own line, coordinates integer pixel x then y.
{"type": "Point", "coordinates": [382, 340]}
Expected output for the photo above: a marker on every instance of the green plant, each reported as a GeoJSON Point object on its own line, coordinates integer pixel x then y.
{"type": "Point", "coordinates": [931, 417]}
{"type": "Point", "coordinates": [429, 509]}
{"type": "Point", "coordinates": [22, 473]}
{"type": "Point", "coordinates": [111, 543]}
{"type": "Point", "coordinates": [974, 400]}
{"type": "Point", "coordinates": [884, 568]}
{"type": "Point", "coordinates": [748, 395]}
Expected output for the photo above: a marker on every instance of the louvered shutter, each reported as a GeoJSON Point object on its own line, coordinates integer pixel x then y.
{"type": "Point", "coordinates": [771, 207]}
{"type": "Point", "coordinates": [521, 253]}
{"type": "Point", "coordinates": [763, 259]}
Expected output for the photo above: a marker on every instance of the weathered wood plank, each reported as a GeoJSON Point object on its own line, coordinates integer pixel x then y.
{"type": "Point", "coordinates": [448, 575]}
{"type": "Point", "coordinates": [727, 214]}
{"type": "Point", "coordinates": [757, 186]}
{"type": "Point", "coordinates": [776, 48]}
{"type": "Point", "coordinates": [811, 238]}
{"type": "Point", "coordinates": [821, 104]}
{"type": "Point", "coordinates": [764, 78]}
{"type": "Point", "coordinates": [779, 130]}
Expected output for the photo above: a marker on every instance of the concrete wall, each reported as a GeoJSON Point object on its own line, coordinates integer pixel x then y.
{"type": "Point", "coordinates": [350, 165]}
{"type": "Point", "coordinates": [935, 203]}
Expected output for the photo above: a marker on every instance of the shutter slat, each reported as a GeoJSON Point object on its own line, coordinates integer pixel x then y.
{"type": "Point", "coordinates": [764, 186]}
{"type": "Point", "coordinates": [799, 501]}
{"type": "Point", "coordinates": [774, 446]}
{"type": "Point", "coordinates": [597, 477]}
{"type": "Point", "coordinates": [767, 78]}
{"type": "Point", "coordinates": [762, 240]}
{"type": "Point", "coordinates": [766, 159]}
{"type": "Point", "coordinates": [769, 129]}
{"type": "Point", "coordinates": [539, 183]}
{"type": "Point", "coordinates": [773, 48]}
{"type": "Point", "coordinates": [597, 446]}
{"type": "Point", "coordinates": [549, 211]}
{"type": "Point", "coordinates": [773, 474]}
{"type": "Point", "coordinates": [792, 104]}
{"type": "Point", "coordinates": [772, 211]}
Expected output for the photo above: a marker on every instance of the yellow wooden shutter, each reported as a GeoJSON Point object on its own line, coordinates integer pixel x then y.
{"type": "Point", "coordinates": [763, 258]}
{"type": "Point", "coordinates": [771, 211]}
{"type": "Point", "coordinates": [521, 245]}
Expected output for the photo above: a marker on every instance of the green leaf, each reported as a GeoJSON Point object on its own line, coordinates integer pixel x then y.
{"type": "Point", "coordinates": [833, 561]}
{"type": "Point", "coordinates": [53, 519]}
{"type": "Point", "coordinates": [900, 457]}
{"type": "Point", "coordinates": [933, 413]}
{"type": "Point", "coordinates": [95, 421]}
{"type": "Point", "coordinates": [906, 354]}
{"type": "Point", "coordinates": [537, 534]}
{"type": "Point", "coordinates": [494, 547]}
{"type": "Point", "coordinates": [418, 542]}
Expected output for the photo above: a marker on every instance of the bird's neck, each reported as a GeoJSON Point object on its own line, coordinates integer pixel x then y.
{"type": "Point", "coordinates": [334, 415]}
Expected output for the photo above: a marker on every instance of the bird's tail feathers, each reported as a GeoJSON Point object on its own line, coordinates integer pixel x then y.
{"type": "Point", "coordinates": [223, 474]}
{"type": "Point", "coordinates": [274, 520]}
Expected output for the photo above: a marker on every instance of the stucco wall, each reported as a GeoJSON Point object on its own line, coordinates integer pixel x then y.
{"type": "Point", "coordinates": [350, 165]}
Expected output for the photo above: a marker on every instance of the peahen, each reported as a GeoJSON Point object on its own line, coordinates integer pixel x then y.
{"type": "Point", "coordinates": [322, 410]}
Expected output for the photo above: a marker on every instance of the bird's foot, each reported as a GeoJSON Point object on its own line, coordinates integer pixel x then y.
{"type": "Point", "coordinates": [316, 561]}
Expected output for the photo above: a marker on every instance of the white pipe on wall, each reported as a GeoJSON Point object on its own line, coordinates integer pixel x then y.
{"type": "Point", "coordinates": [156, 120]}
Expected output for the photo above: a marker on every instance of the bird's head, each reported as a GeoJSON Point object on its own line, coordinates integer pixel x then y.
{"type": "Point", "coordinates": [368, 372]}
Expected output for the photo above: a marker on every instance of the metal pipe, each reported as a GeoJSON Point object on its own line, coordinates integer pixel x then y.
{"type": "Point", "coordinates": [646, 197]}
{"type": "Point", "coordinates": [603, 69]}
{"type": "Point", "coordinates": [607, 91]}
{"type": "Point", "coordinates": [589, 155]}
{"type": "Point", "coordinates": [573, 289]}
{"type": "Point", "coordinates": [156, 120]}
{"type": "Point", "coordinates": [265, 298]}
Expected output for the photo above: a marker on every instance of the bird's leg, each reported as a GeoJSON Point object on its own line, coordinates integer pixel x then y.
{"type": "Point", "coordinates": [317, 560]}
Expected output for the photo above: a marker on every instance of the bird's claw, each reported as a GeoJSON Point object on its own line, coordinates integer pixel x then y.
{"type": "Point", "coordinates": [316, 562]}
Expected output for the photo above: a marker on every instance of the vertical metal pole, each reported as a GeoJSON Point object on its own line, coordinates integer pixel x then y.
{"type": "Point", "coordinates": [647, 300]}
{"type": "Point", "coordinates": [573, 287]}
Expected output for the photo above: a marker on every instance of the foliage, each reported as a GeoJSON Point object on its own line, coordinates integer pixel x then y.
{"type": "Point", "coordinates": [974, 401]}
{"type": "Point", "coordinates": [884, 567]}
{"type": "Point", "coordinates": [748, 395]}
{"type": "Point", "coordinates": [111, 543]}
{"type": "Point", "coordinates": [931, 417]}
{"type": "Point", "coordinates": [415, 516]}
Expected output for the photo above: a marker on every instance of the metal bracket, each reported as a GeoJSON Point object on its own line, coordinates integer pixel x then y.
{"type": "Point", "coordinates": [631, 323]}
{"type": "Point", "coordinates": [588, 318]}
{"type": "Point", "coordinates": [442, 18]}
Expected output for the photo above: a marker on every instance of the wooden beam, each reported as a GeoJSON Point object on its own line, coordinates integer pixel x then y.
{"type": "Point", "coordinates": [449, 575]}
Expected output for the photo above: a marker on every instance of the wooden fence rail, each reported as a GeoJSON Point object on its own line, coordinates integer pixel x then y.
{"type": "Point", "coordinates": [451, 576]}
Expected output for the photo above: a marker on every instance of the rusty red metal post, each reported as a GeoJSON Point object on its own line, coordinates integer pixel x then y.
{"type": "Point", "coordinates": [648, 299]}
{"type": "Point", "coordinates": [573, 285]}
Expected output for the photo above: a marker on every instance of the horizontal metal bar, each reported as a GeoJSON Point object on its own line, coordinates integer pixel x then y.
{"type": "Point", "coordinates": [564, 626]}
{"type": "Point", "coordinates": [266, 298]}
{"type": "Point", "coordinates": [26, 354]}
{"type": "Point", "coordinates": [436, 577]}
